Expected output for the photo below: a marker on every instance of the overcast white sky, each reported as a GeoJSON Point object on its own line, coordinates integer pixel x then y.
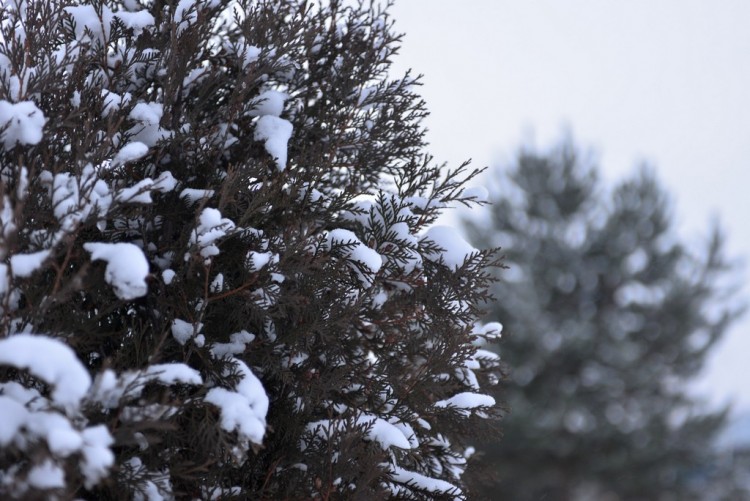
{"type": "Point", "coordinates": [667, 82]}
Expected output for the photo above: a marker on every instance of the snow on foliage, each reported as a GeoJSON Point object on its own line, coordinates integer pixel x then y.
{"type": "Point", "coordinates": [212, 227]}
{"type": "Point", "coordinates": [365, 262]}
{"type": "Point", "coordinates": [259, 158]}
{"type": "Point", "coordinates": [87, 22]}
{"type": "Point", "coordinates": [467, 401]}
{"type": "Point", "coordinates": [432, 486]}
{"type": "Point", "coordinates": [20, 123]}
{"type": "Point", "coordinates": [127, 267]}
{"type": "Point", "coordinates": [129, 153]}
{"type": "Point", "coordinates": [238, 343]}
{"type": "Point", "coordinates": [454, 250]}
{"type": "Point", "coordinates": [29, 418]}
{"type": "Point", "coordinates": [244, 409]}
{"type": "Point", "coordinates": [183, 331]}
{"type": "Point", "coordinates": [270, 102]}
{"type": "Point", "coordinates": [377, 429]}
{"type": "Point", "coordinates": [50, 360]}
{"type": "Point", "coordinates": [23, 265]}
{"type": "Point", "coordinates": [192, 195]}
{"type": "Point", "coordinates": [147, 116]}
{"type": "Point", "coordinates": [275, 132]}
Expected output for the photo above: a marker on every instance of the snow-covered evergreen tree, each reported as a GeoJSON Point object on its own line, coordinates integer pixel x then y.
{"type": "Point", "coordinates": [220, 275]}
{"type": "Point", "coordinates": [607, 315]}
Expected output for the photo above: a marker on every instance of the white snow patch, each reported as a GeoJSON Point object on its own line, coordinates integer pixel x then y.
{"type": "Point", "coordinates": [46, 475]}
{"type": "Point", "coordinates": [250, 54]}
{"type": "Point", "coordinates": [383, 432]}
{"type": "Point", "coordinates": [490, 331]}
{"type": "Point", "coordinates": [24, 265]}
{"type": "Point", "coordinates": [244, 409]}
{"type": "Point", "coordinates": [467, 400]}
{"type": "Point", "coordinates": [130, 153]}
{"type": "Point", "coordinates": [168, 276]}
{"type": "Point", "coordinates": [23, 183]}
{"type": "Point", "coordinates": [192, 195]}
{"type": "Point", "coordinates": [127, 268]}
{"type": "Point", "coordinates": [276, 133]}
{"type": "Point", "coordinates": [361, 253]}
{"type": "Point", "coordinates": [211, 228]}
{"type": "Point", "coordinates": [111, 390]}
{"type": "Point", "coordinates": [147, 113]}
{"type": "Point", "coordinates": [86, 18]}
{"type": "Point", "coordinates": [434, 485]}
{"type": "Point", "coordinates": [478, 193]}
{"type": "Point", "coordinates": [182, 331]}
{"type": "Point", "coordinates": [185, 14]}
{"type": "Point", "coordinates": [256, 261]}
{"type": "Point", "coordinates": [377, 430]}
{"type": "Point", "coordinates": [71, 205]}
{"type": "Point", "coordinates": [270, 102]}
{"type": "Point", "coordinates": [97, 457]}
{"type": "Point", "coordinates": [136, 21]}
{"type": "Point", "coordinates": [455, 249]}
{"type": "Point", "coordinates": [139, 193]}
{"type": "Point", "coordinates": [195, 75]}
{"type": "Point", "coordinates": [238, 343]}
{"type": "Point", "coordinates": [217, 284]}
{"type": "Point", "coordinates": [173, 373]}
{"type": "Point", "coordinates": [112, 101]}
{"type": "Point", "coordinates": [14, 415]}
{"type": "Point", "coordinates": [50, 360]}
{"type": "Point", "coordinates": [147, 129]}
{"type": "Point", "coordinates": [23, 123]}
{"type": "Point", "coordinates": [165, 182]}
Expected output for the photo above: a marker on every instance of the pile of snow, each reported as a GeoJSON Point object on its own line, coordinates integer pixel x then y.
{"type": "Point", "coordinates": [270, 102]}
{"type": "Point", "coordinates": [28, 417]}
{"type": "Point", "coordinates": [50, 360]}
{"type": "Point", "coordinates": [423, 482]}
{"type": "Point", "coordinates": [24, 265]}
{"type": "Point", "coordinates": [21, 123]}
{"type": "Point", "coordinates": [275, 132]}
{"type": "Point", "coordinates": [137, 21]}
{"type": "Point", "coordinates": [111, 390]}
{"type": "Point", "coordinates": [127, 268]}
{"type": "Point", "coordinates": [466, 401]}
{"type": "Point", "coordinates": [245, 52]}
{"type": "Point", "coordinates": [87, 20]}
{"type": "Point", "coordinates": [147, 129]}
{"type": "Point", "coordinates": [476, 193]}
{"type": "Point", "coordinates": [183, 331]}
{"type": "Point", "coordinates": [74, 197]}
{"type": "Point", "coordinates": [112, 102]}
{"type": "Point", "coordinates": [455, 251]}
{"type": "Point", "coordinates": [141, 191]}
{"type": "Point", "coordinates": [238, 343]}
{"type": "Point", "coordinates": [358, 252]}
{"type": "Point", "coordinates": [211, 228]}
{"type": "Point", "coordinates": [131, 152]}
{"type": "Point", "coordinates": [193, 195]}
{"type": "Point", "coordinates": [377, 430]}
{"type": "Point", "coordinates": [89, 24]}
{"type": "Point", "coordinates": [395, 217]}
{"type": "Point", "coordinates": [244, 409]}
{"type": "Point", "coordinates": [256, 261]}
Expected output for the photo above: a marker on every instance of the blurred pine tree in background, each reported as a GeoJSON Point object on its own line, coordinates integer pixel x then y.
{"type": "Point", "coordinates": [607, 314]}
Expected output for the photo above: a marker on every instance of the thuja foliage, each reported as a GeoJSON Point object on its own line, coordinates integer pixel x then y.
{"type": "Point", "coordinates": [220, 272]}
{"type": "Point", "coordinates": [608, 314]}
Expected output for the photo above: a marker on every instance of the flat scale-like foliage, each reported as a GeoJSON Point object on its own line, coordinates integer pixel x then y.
{"type": "Point", "coordinates": [220, 273]}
